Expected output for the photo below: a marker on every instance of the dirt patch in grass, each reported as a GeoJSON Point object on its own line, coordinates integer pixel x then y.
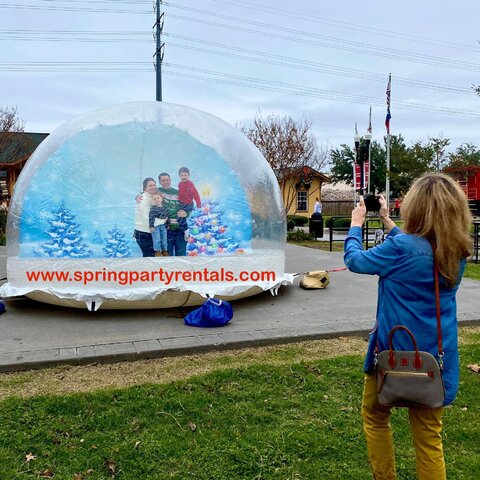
{"type": "Point", "coordinates": [66, 379]}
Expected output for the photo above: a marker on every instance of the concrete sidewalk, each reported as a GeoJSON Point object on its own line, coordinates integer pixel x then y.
{"type": "Point", "coordinates": [33, 334]}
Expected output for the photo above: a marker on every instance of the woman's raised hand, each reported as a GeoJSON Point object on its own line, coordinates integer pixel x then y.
{"type": "Point", "coordinates": [358, 213]}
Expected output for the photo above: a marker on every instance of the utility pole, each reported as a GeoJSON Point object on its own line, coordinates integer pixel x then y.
{"type": "Point", "coordinates": [158, 56]}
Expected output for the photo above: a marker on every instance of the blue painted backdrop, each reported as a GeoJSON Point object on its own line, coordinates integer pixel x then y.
{"type": "Point", "coordinates": [87, 188]}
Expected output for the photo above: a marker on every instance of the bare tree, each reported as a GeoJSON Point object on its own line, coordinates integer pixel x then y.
{"type": "Point", "coordinates": [12, 145]}
{"type": "Point", "coordinates": [291, 149]}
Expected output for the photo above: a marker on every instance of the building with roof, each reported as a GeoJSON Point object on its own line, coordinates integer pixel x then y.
{"type": "Point", "coordinates": [300, 188]}
{"type": "Point", "coordinates": [15, 150]}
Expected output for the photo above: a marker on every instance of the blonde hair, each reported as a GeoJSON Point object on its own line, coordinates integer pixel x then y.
{"type": "Point", "coordinates": [436, 208]}
{"type": "Point", "coordinates": [157, 193]}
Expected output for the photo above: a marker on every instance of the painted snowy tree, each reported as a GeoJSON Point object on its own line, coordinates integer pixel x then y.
{"type": "Point", "coordinates": [208, 233]}
{"type": "Point", "coordinates": [65, 237]}
{"type": "Point", "coordinates": [115, 244]}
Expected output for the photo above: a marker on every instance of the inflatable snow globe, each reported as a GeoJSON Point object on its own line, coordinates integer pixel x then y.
{"type": "Point", "coordinates": [145, 205]}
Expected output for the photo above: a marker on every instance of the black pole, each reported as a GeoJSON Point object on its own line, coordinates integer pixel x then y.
{"type": "Point", "coordinates": [358, 161]}
{"type": "Point", "coordinates": [159, 52]}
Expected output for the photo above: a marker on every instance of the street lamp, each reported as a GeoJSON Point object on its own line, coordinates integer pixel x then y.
{"type": "Point", "coordinates": [368, 139]}
{"type": "Point", "coordinates": [357, 139]}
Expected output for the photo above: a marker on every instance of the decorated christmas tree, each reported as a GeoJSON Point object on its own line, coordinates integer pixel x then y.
{"type": "Point", "coordinates": [208, 235]}
{"type": "Point", "coordinates": [97, 238]}
{"type": "Point", "coordinates": [65, 237]}
{"type": "Point", "coordinates": [115, 244]}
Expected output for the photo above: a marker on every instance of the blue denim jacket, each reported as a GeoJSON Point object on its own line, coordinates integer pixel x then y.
{"type": "Point", "coordinates": [406, 295]}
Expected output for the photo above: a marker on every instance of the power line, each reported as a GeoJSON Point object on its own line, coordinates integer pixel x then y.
{"type": "Point", "coordinates": [346, 45]}
{"type": "Point", "coordinates": [221, 77]}
{"type": "Point", "coordinates": [309, 65]}
{"type": "Point", "coordinates": [300, 92]}
{"type": "Point", "coordinates": [265, 58]}
{"type": "Point", "coordinates": [387, 53]}
{"type": "Point", "coordinates": [330, 93]}
{"type": "Point", "coordinates": [232, 79]}
{"type": "Point", "coordinates": [299, 32]}
{"type": "Point", "coordinates": [347, 25]}
{"type": "Point", "coordinates": [72, 9]}
{"type": "Point", "coordinates": [303, 16]}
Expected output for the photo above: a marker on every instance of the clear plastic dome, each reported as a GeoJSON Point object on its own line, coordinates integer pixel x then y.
{"type": "Point", "coordinates": [114, 190]}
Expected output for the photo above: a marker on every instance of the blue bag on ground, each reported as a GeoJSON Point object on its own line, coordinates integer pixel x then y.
{"type": "Point", "coordinates": [213, 313]}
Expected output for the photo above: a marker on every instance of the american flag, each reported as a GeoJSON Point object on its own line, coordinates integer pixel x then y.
{"type": "Point", "coordinates": [387, 119]}
{"type": "Point", "coordinates": [369, 129]}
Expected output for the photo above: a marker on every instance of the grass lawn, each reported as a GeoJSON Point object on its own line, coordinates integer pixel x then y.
{"type": "Point", "coordinates": [472, 270]}
{"type": "Point", "coordinates": [280, 412]}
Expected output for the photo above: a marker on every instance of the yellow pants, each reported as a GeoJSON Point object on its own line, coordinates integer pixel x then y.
{"type": "Point", "coordinates": [426, 428]}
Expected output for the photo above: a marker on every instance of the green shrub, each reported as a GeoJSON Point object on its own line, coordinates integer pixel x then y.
{"type": "Point", "coordinates": [3, 221]}
{"type": "Point", "coordinates": [3, 239]}
{"type": "Point", "coordinates": [342, 222]}
{"type": "Point", "coordinates": [301, 221]}
{"type": "Point", "coordinates": [290, 225]}
{"type": "Point", "coordinates": [299, 236]}
{"type": "Point", "coordinates": [298, 220]}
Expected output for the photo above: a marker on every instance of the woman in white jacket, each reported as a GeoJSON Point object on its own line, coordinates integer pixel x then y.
{"type": "Point", "coordinates": [142, 232]}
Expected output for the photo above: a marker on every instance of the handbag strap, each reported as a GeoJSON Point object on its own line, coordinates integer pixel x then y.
{"type": "Point", "coordinates": [437, 305]}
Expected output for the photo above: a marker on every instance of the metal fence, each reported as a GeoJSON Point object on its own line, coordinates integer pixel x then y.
{"type": "Point", "coordinates": [476, 240]}
{"type": "Point", "coordinates": [338, 234]}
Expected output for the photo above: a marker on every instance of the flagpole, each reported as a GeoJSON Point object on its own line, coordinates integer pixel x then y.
{"type": "Point", "coordinates": [369, 150]}
{"type": "Point", "coordinates": [357, 143]}
{"type": "Point", "coordinates": [387, 181]}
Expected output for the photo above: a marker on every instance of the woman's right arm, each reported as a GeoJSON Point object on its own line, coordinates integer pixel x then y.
{"type": "Point", "coordinates": [375, 261]}
{"type": "Point", "coordinates": [380, 260]}
{"type": "Point", "coordinates": [388, 223]}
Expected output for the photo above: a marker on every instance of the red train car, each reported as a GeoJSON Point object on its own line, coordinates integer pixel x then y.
{"type": "Point", "coordinates": [469, 179]}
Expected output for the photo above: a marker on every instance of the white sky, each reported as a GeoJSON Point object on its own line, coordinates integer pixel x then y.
{"type": "Point", "coordinates": [373, 38]}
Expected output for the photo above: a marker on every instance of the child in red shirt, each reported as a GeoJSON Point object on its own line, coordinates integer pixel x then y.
{"type": "Point", "coordinates": [187, 192]}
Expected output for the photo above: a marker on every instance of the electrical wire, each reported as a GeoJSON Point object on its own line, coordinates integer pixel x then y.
{"type": "Point", "coordinates": [289, 62]}
{"type": "Point", "coordinates": [345, 45]}
{"type": "Point", "coordinates": [295, 63]}
{"type": "Point", "coordinates": [301, 16]}
{"type": "Point", "coordinates": [299, 32]}
{"type": "Point", "coordinates": [386, 53]}
{"type": "Point", "coordinates": [415, 107]}
{"type": "Point", "coordinates": [72, 9]}
{"type": "Point", "coordinates": [233, 79]}
{"type": "Point", "coordinates": [327, 93]}
{"type": "Point", "coordinates": [346, 25]}
{"type": "Point", "coordinates": [266, 58]}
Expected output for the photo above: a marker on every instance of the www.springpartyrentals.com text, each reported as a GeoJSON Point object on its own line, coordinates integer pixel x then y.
{"type": "Point", "coordinates": [166, 277]}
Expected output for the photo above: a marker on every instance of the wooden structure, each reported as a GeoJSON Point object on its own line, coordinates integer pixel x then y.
{"type": "Point", "coordinates": [300, 189]}
{"type": "Point", "coordinates": [469, 179]}
{"type": "Point", "coordinates": [15, 150]}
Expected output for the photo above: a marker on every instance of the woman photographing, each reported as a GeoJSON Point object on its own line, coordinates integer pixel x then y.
{"type": "Point", "coordinates": [436, 225]}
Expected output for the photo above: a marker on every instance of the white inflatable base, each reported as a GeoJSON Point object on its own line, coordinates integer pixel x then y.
{"type": "Point", "coordinates": [168, 299]}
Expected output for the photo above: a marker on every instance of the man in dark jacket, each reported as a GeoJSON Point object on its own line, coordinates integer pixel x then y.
{"type": "Point", "coordinates": [177, 214]}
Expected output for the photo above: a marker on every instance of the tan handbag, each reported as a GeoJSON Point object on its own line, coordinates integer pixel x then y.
{"type": "Point", "coordinates": [411, 378]}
